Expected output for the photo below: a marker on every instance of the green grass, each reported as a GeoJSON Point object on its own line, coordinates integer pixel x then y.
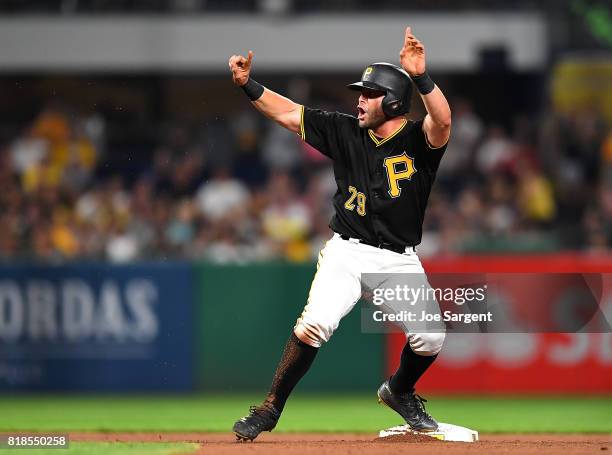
{"type": "Point", "coordinates": [113, 448]}
{"type": "Point", "coordinates": [307, 413]}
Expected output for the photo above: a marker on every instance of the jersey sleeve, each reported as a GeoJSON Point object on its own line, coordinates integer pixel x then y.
{"type": "Point", "coordinates": [323, 130]}
{"type": "Point", "coordinates": [431, 155]}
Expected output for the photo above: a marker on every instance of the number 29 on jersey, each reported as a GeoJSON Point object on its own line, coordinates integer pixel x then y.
{"type": "Point", "coordinates": [356, 197]}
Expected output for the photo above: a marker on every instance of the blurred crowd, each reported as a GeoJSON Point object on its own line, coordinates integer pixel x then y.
{"type": "Point", "coordinates": [544, 184]}
{"type": "Point", "coordinates": [241, 189]}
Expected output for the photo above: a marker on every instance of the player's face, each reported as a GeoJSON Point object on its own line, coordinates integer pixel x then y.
{"type": "Point", "coordinates": [369, 109]}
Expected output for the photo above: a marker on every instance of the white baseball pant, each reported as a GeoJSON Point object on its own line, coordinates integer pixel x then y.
{"type": "Point", "coordinates": [336, 288]}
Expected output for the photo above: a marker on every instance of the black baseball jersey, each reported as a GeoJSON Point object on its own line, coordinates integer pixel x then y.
{"type": "Point", "coordinates": [383, 184]}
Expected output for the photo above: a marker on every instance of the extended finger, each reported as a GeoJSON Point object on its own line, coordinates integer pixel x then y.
{"type": "Point", "coordinates": [408, 35]}
{"type": "Point", "coordinates": [250, 58]}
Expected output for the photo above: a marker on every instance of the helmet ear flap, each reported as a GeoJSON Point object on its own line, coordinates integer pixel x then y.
{"type": "Point", "coordinates": [391, 108]}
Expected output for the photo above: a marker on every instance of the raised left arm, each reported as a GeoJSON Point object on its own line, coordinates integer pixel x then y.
{"type": "Point", "coordinates": [437, 122]}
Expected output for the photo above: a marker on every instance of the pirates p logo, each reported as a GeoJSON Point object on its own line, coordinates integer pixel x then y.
{"type": "Point", "coordinates": [399, 167]}
{"type": "Point", "coordinates": [367, 71]}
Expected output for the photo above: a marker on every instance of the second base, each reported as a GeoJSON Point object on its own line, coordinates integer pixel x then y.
{"type": "Point", "coordinates": [445, 432]}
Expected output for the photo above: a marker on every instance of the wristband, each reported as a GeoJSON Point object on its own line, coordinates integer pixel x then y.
{"type": "Point", "coordinates": [253, 89]}
{"type": "Point", "coordinates": [423, 83]}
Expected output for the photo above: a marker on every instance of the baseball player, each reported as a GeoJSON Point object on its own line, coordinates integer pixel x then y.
{"type": "Point", "coordinates": [384, 166]}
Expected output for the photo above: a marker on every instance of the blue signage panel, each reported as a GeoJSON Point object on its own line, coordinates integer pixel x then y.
{"type": "Point", "coordinates": [97, 327]}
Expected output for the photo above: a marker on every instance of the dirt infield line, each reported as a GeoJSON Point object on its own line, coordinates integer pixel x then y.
{"type": "Point", "coordinates": [367, 444]}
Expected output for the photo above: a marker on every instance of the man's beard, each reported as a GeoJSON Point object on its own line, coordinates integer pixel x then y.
{"type": "Point", "coordinates": [374, 121]}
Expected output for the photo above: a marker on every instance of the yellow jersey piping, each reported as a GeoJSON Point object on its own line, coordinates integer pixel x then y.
{"type": "Point", "coordinates": [302, 132]}
{"type": "Point", "coordinates": [379, 142]}
{"type": "Point", "coordinates": [431, 146]}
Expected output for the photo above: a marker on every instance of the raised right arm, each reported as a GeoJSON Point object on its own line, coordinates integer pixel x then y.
{"type": "Point", "coordinates": [274, 106]}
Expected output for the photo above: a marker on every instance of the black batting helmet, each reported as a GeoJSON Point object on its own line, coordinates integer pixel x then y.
{"type": "Point", "coordinates": [393, 81]}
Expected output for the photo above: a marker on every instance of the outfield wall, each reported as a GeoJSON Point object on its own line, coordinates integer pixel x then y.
{"type": "Point", "coordinates": [97, 327]}
{"type": "Point", "coordinates": [246, 314]}
{"type": "Point", "coordinates": [222, 328]}
{"type": "Point", "coordinates": [524, 362]}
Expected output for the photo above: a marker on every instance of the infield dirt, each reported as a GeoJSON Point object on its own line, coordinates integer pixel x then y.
{"type": "Point", "coordinates": [363, 443]}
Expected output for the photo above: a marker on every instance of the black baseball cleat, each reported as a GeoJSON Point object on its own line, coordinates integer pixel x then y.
{"type": "Point", "coordinates": [261, 418]}
{"type": "Point", "coordinates": [410, 406]}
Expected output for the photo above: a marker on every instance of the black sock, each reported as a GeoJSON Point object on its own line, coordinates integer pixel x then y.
{"type": "Point", "coordinates": [295, 362]}
{"type": "Point", "coordinates": [412, 366]}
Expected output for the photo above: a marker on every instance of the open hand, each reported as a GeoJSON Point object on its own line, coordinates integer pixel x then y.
{"type": "Point", "coordinates": [412, 55]}
{"type": "Point", "coordinates": [241, 68]}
